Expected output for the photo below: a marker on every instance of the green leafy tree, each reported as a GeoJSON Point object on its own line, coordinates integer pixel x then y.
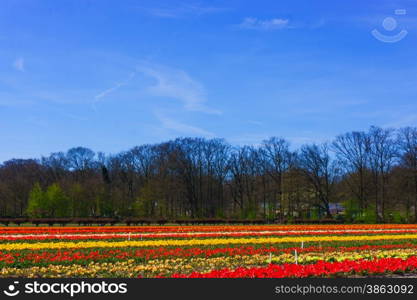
{"type": "Point", "coordinates": [58, 204]}
{"type": "Point", "coordinates": [37, 202]}
{"type": "Point", "coordinates": [369, 215]}
{"type": "Point", "coordinates": [149, 202]}
{"type": "Point", "coordinates": [50, 203]}
{"type": "Point", "coordinates": [353, 211]}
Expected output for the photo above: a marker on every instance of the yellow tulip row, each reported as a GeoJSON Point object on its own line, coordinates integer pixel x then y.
{"type": "Point", "coordinates": [201, 242]}
{"type": "Point", "coordinates": [129, 268]}
{"type": "Point", "coordinates": [312, 257]}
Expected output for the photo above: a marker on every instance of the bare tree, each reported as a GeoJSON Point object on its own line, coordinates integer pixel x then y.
{"type": "Point", "coordinates": [321, 172]}
{"type": "Point", "coordinates": [243, 168]}
{"type": "Point", "coordinates": [277, 160]}
{"type": "Point", "coordinates": [352, 151]}
{"type": "Point", "coordinates": [80, 158]}
{"type": "Point", "coordinates": [383, 153]}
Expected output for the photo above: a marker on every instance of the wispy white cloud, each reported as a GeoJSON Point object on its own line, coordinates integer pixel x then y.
{"type": "Point", "coordinates": [108, 91]}
{"type": "Point", "coordinates": [169, 83]}
{"type": "Point", "coordinates": [177, 84]}
{"type": "Point", "coordinates": [19, 64]}
{"type": "Point", "coordinates": [183, 10]}
{"type": "Point", "coordinates": [182, 128]}
{"type": "Point", "coordinates": [257, 24]}
{"type": "Point", "coordinates": [114, 88]}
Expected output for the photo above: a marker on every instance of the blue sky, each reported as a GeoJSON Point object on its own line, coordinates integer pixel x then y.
{"type": "Point", "coordinates": [110, 75]}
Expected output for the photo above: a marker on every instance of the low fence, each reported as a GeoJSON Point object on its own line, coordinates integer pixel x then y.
{"type": "Point", "coordinates": [149, 221]}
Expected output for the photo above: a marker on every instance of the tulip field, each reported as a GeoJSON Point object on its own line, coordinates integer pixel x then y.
{"type": "Point", "coordinates": [227, 251]}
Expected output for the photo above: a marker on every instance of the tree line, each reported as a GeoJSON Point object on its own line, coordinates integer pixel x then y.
{"type": "Point", "coordinates": [372, 175]}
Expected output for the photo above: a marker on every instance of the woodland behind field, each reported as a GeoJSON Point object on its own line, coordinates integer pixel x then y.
{"type": "Point", "coordinates": [372, 174]}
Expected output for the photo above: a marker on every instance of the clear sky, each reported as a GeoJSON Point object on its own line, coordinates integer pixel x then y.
{"type": "Point", "coordinates": [110, 75]}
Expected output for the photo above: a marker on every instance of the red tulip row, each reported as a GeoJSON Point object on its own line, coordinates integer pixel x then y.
{"type": "Point", "coordinates": [229, 228]}
{"type": "Point", "coordinates": [319, 269]}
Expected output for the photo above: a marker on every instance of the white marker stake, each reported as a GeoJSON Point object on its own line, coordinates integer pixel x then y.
{"type": "Point", "coordinates": [302, 244]}
{"type": "Point", "coordinates": [270, 257]}
{"type": "Point", "coordinates": [296, 257]}
{"type": "Point", "coordinates": [129, 236]}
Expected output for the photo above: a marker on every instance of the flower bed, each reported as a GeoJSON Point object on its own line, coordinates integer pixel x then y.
{"type": "Point", "coordinates": [208, 251]}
